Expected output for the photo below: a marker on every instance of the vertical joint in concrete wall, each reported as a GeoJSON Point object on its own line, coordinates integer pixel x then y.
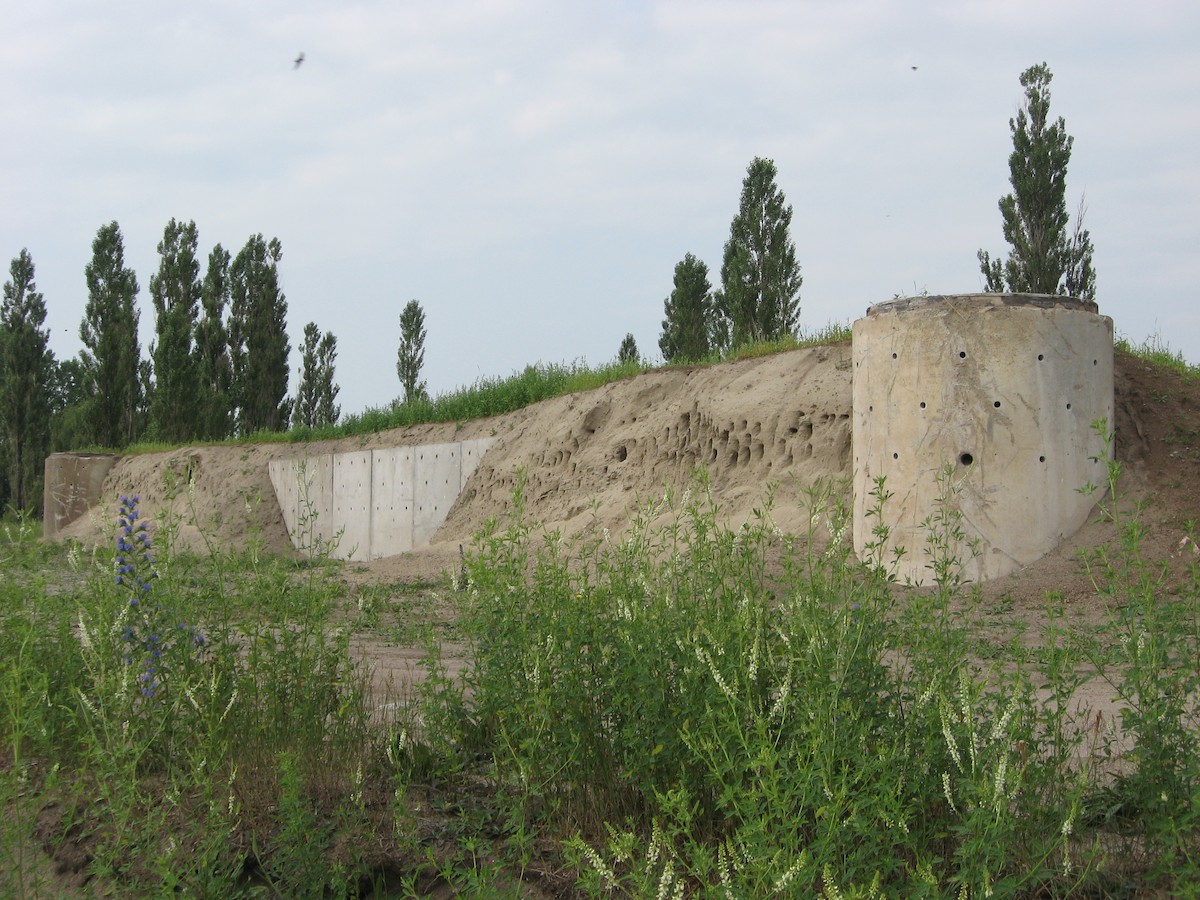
{"type": "Point", "coordinates": [982, 407]}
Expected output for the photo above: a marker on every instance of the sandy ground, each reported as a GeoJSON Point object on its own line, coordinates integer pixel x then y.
{"type": "Point", "coordinates": [594, 457]}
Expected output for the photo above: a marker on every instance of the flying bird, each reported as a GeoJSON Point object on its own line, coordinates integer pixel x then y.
{"type": "Point", "coordinates": [299, 59]}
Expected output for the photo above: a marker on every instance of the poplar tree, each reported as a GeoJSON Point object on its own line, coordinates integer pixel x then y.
{"type": "Point", "coordinates": [759, 298]}
{"type": "Point", "coordinates": [26, 365]}
{"type": "Point", "coordinates": [1044, 256]}
{"type": "Point", "coordinates": [258, 342]}
{"type": "Point", "coordinates": [688, 313]}
{"type": "Point", "coordinates": [315, 397]}
{"type": "Point", "coordinates": [68, 405]}
{"type": "Point", "coordinates": [111, 353]}
{"type": "Point", "coordinates": [214, 371]}
{"type": "Point", "coordinates": [628, 351]}
{"type": "Point", "coordinates": [411, 355]}
{"type": "Point", "coordinates": [175, 293]}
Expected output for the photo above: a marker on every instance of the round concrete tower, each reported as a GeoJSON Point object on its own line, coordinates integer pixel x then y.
{"type": "Point", "coordinates": [1000, 393]}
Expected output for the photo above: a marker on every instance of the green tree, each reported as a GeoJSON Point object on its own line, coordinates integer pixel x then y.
{"type": "Point", "coordinates": [315, 397]}
{"type": "Point", "coordinates": [68, 405]}
{"type": "Point", "coordinates": [1043, 257]}
{"type": "Point", "coordinates": [411, 356]}
{"type": "Point", "coordinates": [688, 313]}
{"type": "Point", "coordinates": [26, 364]}
{"type": "Point", "coordinates": [258, 342]}
{"type": "Point", "coordinates": [111, 353]}
{"type": "Point", "coordinates": [214, 371]}
{"type": "Point", "coordinates": [175, 293]}
{"type": "Point", "coordinates": [628, 351]}
{"type": "Point", "coordinates": [759, 298]}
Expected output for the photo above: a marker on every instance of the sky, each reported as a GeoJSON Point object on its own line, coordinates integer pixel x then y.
{"type": "Point", "coordinates": [531, 171]}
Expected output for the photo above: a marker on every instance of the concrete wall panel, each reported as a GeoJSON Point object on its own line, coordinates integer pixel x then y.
{"type": "Point", "coordinates": [392, 488]}
{"type": "Point", "coordinates": [352, 484]}
{"type": "Point", "coordinates": [472, 453]}
{"type": "Point", "coordinates": [304, 488]}
{"type": "Point", "coordinates": [438, 469]}
{"type": "Point", "coordinates": [384, 502]}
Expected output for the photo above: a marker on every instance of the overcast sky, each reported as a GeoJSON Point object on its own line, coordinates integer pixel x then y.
{"type": "Point", "coordinates": [532, 170]}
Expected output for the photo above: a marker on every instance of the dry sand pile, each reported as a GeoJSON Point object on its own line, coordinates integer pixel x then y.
{"type": "Point", "coordinates": [595, 456]}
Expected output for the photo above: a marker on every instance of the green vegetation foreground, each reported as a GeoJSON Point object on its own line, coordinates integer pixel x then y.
{"type": "Point", "coordinates": [688, 710]}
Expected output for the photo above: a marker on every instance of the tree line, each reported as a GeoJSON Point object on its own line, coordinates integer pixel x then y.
{"type": "Point", "coordinates": [759, 296]}
{"type": "Point", "coordinates": [218, 364]}
{"type": "Point", "coordinates": [216, 368]}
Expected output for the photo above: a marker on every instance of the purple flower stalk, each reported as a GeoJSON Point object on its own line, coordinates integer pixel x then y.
{"type": "Point", "coordinates": [146, 645]}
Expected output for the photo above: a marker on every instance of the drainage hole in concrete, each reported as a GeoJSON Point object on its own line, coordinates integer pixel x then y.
{"type": "Point", "coordinates": [893, 356]}
{"type": "Point", "coordinates": [922, 404]}
{"type": "Point", "coordinates": [962, 354]}
{"type": "Point", "coordinates": [1068, 406]}
{"type": "Point", "coordinates": [895, 456]}
{"type": "Point", "coordinates": [966, 459]}
{"type": "Point", "coordinates": [1041, 459]}
{"type": "Point", "coordinates": [996, 404]}
{"type": "Point", "coordinates": [1040, 357]}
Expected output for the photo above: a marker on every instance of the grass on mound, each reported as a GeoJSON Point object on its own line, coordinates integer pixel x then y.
{"type": "Point", "coordinates": [494, 396]}
{"type": "Point", "coordinates": [544, 381]}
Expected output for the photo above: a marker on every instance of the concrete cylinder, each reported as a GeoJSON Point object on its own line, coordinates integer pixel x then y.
{"type": "Point", "coordinates": [979, 405]}
{"type": "Point", "coordinates": [74, 482]}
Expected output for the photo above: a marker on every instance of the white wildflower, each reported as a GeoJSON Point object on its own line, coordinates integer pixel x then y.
{"type": "Point", "coordinates": [704, 657]}
{"type": "Point", "coordinates": [789, 876]}
{"type": "Point", "coordinates": [947, 792]}
{"type": "Point", "coordinates": [599, 865]}
{"type": "Point", "coordinates": [999, 784]}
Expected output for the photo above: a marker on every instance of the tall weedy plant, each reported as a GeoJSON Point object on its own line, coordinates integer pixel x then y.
{"type": "Point", "coordinates": [753, 709]}
{"type": "Point", "coordinates": [1149, 651]}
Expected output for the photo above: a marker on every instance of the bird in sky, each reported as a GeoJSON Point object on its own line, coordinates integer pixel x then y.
{"type": "Point", "coordinates": [299, 59]}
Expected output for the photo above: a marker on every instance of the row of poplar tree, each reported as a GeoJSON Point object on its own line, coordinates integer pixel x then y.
{"type": "Point", "coordinates": [759, 296]}
{"type": "Point", "coordinates": [217, 367]}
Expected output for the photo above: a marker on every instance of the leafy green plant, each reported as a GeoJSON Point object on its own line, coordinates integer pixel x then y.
{"type": "Point", "coordinates": [1149, 651]}
{"type": "Point", "coordinates": [760, 734]}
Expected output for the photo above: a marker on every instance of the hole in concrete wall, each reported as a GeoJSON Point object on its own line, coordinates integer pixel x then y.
{"type": "Point", "coordinates": [1040, 357]}
{"type": "Point", "coordinates": [1095, 362]}
{"type": "Point", "coordinates": [870, 409]}
{"type": "Point", "coordinates": [1068, 406]}
{"type": "Point", "coordinates": [1041, 459]}
{"type": "Point", "coordinates": [895, 456]}
{"type": "Point", "coordinates": [966, 458]}
{"type": "Point", "coordinates": [962, 354]}
{"type": "Point", "coordinates": [622, 453]}
{"type": "Point", "coordinates": [996, 404]}
{"type": "Point", "coordinates": [922, 404]}
{"type": "Point", "coordinates": [893, 356]}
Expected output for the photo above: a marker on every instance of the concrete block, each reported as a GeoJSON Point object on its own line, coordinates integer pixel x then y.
{"type": "Point", "coordinates": [1000, 392]}
{"type": "Point", "coordinates": [74, 482]}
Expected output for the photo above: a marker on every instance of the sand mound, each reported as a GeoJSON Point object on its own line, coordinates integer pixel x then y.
{"type": "Point", "coordinates": [593, 457]}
